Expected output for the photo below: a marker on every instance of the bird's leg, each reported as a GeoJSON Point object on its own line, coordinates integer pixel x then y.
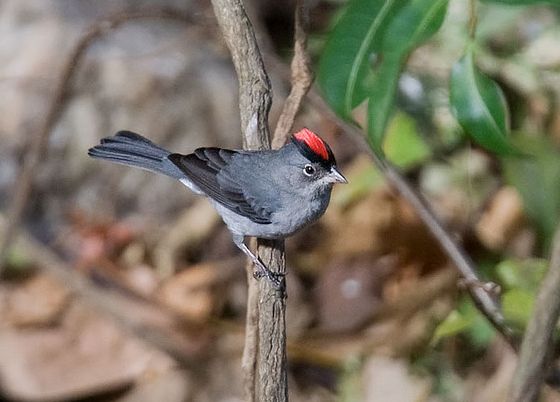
{"type": "Point", "coordinates": [276, 279]}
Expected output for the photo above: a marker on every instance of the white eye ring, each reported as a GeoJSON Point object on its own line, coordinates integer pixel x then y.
{"type": "Point", "coordinates": [309, 170]}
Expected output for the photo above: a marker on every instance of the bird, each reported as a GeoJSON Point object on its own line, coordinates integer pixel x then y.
{"type": "Point", "coordinates": [268, 194]}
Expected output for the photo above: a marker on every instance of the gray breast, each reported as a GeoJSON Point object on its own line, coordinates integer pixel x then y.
{"type": "Point", "coordinates": [286, 221]}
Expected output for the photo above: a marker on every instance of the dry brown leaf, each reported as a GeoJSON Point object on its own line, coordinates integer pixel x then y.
{"type": "Point", "coordinates": [171, 386]}
{"type": "Point", "coordinates": [189, 293]}
{"type": "Point", "coordinates": [493, 385]}
{"type": "Point", "coordinates": [190, 230]}
{"type": "Point", "coordinates": [502, 219]}
{"type": "Point", "coordinates": [83, 356]}
{"type": "Point", "coordinates": [142, 279]}
{"type": "Point", "coordinates": [38, 301]}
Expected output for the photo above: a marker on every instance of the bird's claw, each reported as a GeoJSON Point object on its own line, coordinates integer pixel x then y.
{"type": "Point", "coordinates": [277, 280]}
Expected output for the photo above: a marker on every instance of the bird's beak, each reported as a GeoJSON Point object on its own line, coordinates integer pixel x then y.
{"type": "Point", "coordinates": [336, 176]}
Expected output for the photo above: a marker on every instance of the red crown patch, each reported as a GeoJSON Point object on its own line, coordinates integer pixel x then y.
{"type": "Point", "coordinates": [313, 141]}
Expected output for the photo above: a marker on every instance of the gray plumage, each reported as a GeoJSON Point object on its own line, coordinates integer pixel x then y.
{"type": "Point", "coordinates": [267, 194]}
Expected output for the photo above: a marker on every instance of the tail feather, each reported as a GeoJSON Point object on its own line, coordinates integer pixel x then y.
{"type": "Point", "coordinates": [128, 148]}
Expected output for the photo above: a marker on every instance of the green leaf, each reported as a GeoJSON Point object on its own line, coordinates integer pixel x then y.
{"type": "Point", "coordinates": [17, 264]}
{"type": "Point", "coordinates": [522, 274]}
{"type": "Point", "coordinates": [479, 105]}
{"type": "Point", "coordinates": [517, 306]}
{"type": "Point", "coordinates": [411, 25]}
{"type": "Point", "coordinates": [480, 332]}
{"type": "Point", "coordinates": [454, 324]}
{"type": "Point", "coordinates": [344, 63]}
{"type": "Point", "coordinates": [350, 380]}
{"type": "Point", "coordinates": [366, 51]}
{"type": "Point", "coordinates": [381, 100]}
{"type": "Point", "coordinates": [403, 145]}
{"type": "Point", "coordinates": [414, 24]}
{"type": "Point", "coordinates": [467, 320]}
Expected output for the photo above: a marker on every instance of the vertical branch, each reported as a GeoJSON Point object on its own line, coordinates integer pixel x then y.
{"type": "Point", "coordinates": [264, 358]}
{"type": "Point", "coordinates": [272, 361]}
{"type": "Point", "coordinates": [536, 349]}
{"type": "Point", "coordinates": [250, 349]}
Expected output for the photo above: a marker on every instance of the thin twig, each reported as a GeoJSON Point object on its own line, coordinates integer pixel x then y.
{"type": "Point", "coordinates": [301, 76]}
{"type": "Point", "coordinates": [264, 359]}
{"type": "Point", "coordinates": [463, 263]}
{"type": "Point", "coordinates": [537, 347]}
{"type": "Point", "coordinates": [57, 106]}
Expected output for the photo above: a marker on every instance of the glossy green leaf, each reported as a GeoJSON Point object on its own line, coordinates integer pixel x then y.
{"type": "Point", "coordinates": [345, 61]}
{"type": "Point", "coordinates": [413, 24]}
{"type": "Point", "coordinates": [410, 26]}
{"type": "Point", "coordinates": [479, 105]}
{"type": "Point", "coordinates": [381, 99]}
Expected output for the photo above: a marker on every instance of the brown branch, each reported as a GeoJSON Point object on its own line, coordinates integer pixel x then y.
{"type": "Point", "coordinates": [250, 348]}
{"type": "Point", "coordinates": [57, 106]}
{"type": "Point", "coordinates": [462, 262]}
{"type": "Point", "coordinates": [264, 359]}
{"type": "Point", "coordinates": [537, 347]}
{"type": "Point", "coordinates": [301, 77]}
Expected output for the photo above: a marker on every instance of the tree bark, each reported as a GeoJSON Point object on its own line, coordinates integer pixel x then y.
{"type": "Point", "coordinates": [264, 358]}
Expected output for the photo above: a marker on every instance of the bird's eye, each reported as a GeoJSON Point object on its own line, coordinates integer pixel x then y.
{"type": "Point", "coordinates": [309, 170]}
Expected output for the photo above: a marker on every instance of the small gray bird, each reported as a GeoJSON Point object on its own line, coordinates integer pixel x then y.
{"type": "Point", "coordinates": [266, 194]}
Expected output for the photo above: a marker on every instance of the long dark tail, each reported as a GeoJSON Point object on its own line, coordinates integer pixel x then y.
{"type": "Point", "coordinates": [131, 149]}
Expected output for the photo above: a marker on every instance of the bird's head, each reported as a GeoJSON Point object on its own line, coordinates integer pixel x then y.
{"type": "Point", "coordinates": [316, 161]}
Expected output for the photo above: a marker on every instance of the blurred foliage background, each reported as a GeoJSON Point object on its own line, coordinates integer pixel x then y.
{"type": "Point", "coordinates": [462, 96]}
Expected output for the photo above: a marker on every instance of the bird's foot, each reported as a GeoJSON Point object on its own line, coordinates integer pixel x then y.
{"type": "Point", "coordinates": [277, 280]}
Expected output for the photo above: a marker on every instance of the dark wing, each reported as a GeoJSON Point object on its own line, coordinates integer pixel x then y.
{"type": "Point", "coordinates": [203, 167]}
